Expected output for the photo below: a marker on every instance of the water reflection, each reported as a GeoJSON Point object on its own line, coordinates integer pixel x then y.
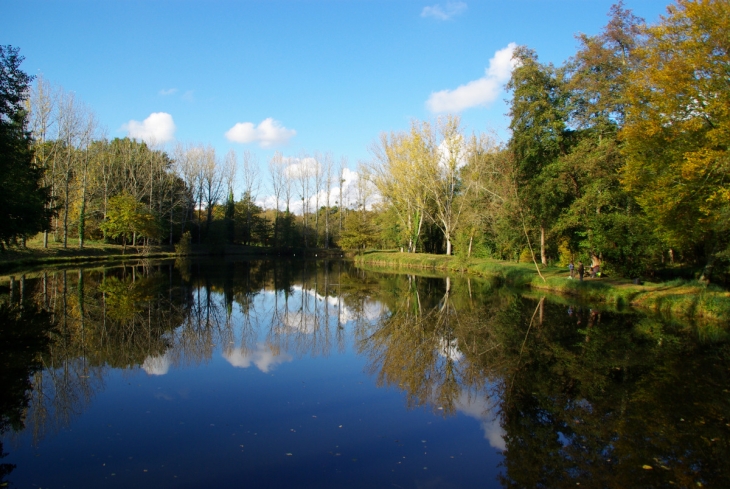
{"type": "Point", "coordinates": [570, 394]}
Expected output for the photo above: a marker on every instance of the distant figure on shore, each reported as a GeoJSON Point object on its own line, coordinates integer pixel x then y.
{"type": "Point", "coordinates": [581, 270]}
{"type": "Point", "coordinates": [596, 271]}
{"type": "Point", "coordinates": [571, 267]}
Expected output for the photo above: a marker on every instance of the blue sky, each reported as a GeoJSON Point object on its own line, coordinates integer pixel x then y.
{"type": "Point", "coordinates": [294, 75]}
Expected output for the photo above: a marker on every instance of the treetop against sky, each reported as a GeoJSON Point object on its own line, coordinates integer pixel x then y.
{"type": "Point", "coordinates": [287, 75]}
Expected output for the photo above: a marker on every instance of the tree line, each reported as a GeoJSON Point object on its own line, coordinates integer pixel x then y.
{"type": "Point", "coordinates": [62, 177]}
{"type": "Point", "coordinates": [617, 157]}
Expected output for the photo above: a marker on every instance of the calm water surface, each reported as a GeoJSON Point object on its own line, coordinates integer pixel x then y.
{"type": "Point", "coordinates": [317, 374]}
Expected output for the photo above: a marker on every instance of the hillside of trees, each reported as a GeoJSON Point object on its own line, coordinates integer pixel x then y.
{"type": "Point", "coordinates": [618, 157]}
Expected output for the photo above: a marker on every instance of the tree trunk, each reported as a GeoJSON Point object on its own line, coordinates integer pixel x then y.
{"type": "Point", "coordinates": [543, 257]}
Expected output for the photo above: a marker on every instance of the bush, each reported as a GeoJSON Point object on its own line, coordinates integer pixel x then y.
{"type": "Point", "coordinates": [183, 247]}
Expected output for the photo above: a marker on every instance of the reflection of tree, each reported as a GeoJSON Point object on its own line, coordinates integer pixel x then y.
{"type": "Point", "coordinates": [417, 345]}
{"type": "Point", "coordinates": [25, 334]}
{"type": "Point", "coordinates": [604, 401]}
{"type": "Point", "coordinates": [586, 396]}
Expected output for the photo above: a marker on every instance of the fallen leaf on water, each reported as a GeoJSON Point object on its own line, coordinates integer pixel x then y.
{"type": "Point", "coordinates": [647, 467]}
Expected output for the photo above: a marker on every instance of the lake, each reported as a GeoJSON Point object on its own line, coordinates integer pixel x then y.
{"type": "Point", "coordinates": [317, 374]}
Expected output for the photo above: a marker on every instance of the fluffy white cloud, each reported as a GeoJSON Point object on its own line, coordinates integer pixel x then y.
{"type": "Point", "coordinates": [298, 167]}
{"type": "Point", "coordinates": [157, 128]}
{"type": "Point", "coordinates": [168, 91]}
{"type": "Point", "coordinates": [262, 357]}
{"type": "Point", "coordinates": [483, 91]}
{"type": "Point", "coordinates": [444, 13]}
{"type": "Point", "coordinates": [267, 134]}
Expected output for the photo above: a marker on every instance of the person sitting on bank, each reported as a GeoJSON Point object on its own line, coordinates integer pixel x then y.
{"type": "Point", "coordinates": [596, 271]}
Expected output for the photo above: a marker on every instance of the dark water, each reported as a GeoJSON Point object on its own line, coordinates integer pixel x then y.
{"type": "Point", "coordinates": [317, 374]}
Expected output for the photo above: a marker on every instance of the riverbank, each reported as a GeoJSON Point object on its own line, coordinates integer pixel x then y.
{"type": "Point", "coordinates": [35, 255]}
{"type": "Point", "coordinates": [679, 298]}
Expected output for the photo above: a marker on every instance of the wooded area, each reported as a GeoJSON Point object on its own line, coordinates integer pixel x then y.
{"type": "Point", "coordinates": [619, 156]}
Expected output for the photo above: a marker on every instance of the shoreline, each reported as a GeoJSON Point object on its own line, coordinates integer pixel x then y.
{"type": "Point", "coordinates": [676, 298]}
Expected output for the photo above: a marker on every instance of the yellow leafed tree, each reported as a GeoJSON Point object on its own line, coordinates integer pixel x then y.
{"type": "Point", "coordinates": [678, 125]}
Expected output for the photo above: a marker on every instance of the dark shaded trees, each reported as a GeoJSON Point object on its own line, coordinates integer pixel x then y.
{"type": "Point", "coordinates": [23, 198]}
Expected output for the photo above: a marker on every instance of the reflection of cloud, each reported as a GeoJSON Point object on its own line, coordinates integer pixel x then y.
{"type": "Point", "coordinates": [157, 365]}
{"type": "Point", "coordinates": [262, 357]}
{"type": "Point", "coordinates": [479, 409]}
{"type": "Point", "coordinates": [450, 349]}
{"type": "Point", "coordinates": [305, 323]}
{"type": "Point", "coordinates": [371, 310]}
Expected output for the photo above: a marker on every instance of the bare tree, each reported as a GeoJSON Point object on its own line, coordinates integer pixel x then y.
{"type": "Point", "coordinates": [341, 205]}
{"type": "Point", "coordinates": [212, 182]}
{"type": "Point", "coordinates": [43, 124]}
{"type": "Point", "coordinates": [328, 164]}
{"type": "Point", "coordinates": [277, 169]}
{"type": "Point", "coordinates": [71, 128]}
{"type": "Point", "coordinates": [250, 187]}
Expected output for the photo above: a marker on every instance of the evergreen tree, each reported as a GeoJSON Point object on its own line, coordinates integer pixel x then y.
{"type": "Point", "coordinates": [23, 199]}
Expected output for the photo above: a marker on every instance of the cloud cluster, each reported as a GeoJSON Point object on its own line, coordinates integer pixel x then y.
{"type": "Point", "coordinates": [267, 134]}
{"type": "Point", "coordinates": [482, 92]}
{"type": "Point", "coordinates": [157, 128]}
{"type": "Point", "coordinates": [444, 13]}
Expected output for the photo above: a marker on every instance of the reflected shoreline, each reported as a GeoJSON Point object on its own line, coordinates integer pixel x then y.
{"type": "Point", "coordinates": [569, 394]}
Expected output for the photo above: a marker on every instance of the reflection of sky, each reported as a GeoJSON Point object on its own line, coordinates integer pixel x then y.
{"type": "Point", "coordinates": [450, 349]}
{"type": "Point", "coordinates": [298, 312]}
{"type": "Point", "coordinates": [157, 365]}
{"type": "Point", "coordinates": [479, 408]}
{"type": "Point", "coordinates": [262, 357]}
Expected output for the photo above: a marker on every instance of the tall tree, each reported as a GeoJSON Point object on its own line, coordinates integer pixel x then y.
{"type": "Point", "coordinates": [601, 218]}
{"type": "Point", "coordinates": [539, 137]}
{"type": "Point", "coordinates": [23, 198]}
{"type": "Point", "coordinates": [677, 128]}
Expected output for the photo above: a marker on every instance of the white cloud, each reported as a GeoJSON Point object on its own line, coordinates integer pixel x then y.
{"type": "Point", "coordinates": [267, 134]}
{"type": "Point", "coordinates": [262, 357]}
{"type": "Point", "coordinates": [298, 167]}
{"type": "Point", "coordinates": [168, 91]}
{"type": "Point", "coordinates": [157, 365]}
{"type": "Point", "coordinates": [157, 128]}
{"type": "Point", "coordinates": [444, 13]}
{"type": "Point", "coordinates": [483, 91]}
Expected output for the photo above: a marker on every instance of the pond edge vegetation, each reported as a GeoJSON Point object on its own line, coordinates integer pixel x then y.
{"type": "Point", "coordinates": [677, 298]}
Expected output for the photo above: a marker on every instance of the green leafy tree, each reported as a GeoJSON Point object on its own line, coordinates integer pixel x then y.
{"type": "Point", "coordinates": [126, 218]}
{"type": "Point", "coordinates": [539, 136]}
{"type": "Point", "coordinates": [23, 198]}
{"type": "Point", "coordinates": [677, 128]}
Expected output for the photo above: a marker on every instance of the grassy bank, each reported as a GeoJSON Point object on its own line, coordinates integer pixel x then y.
{"type": "Point", "coordinates": [677, 298]}
{"type": "Point", "coordinates": [35, 255]}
